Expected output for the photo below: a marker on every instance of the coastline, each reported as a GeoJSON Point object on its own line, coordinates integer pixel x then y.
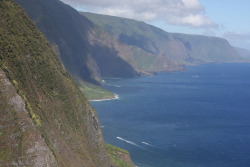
{"type": "Point", "coordinates": [209, 87]}
{"type": "Point", "coordinates": [116, 97]}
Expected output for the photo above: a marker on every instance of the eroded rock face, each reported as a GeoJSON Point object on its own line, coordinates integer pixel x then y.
{"type": "Point", "coordinates": [21, 143]}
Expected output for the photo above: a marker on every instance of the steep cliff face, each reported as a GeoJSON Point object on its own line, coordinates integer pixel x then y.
{"type": "Point", "coordinates": [152, 49]}
{"type": "Point", "coordinates": [21, 142]}
{"type": "Point", "coordinates": [69, 32]}
{"type": "Point", "coordinates": [107, 52]}
{"type": "Point", "coordinates": [45, 120]}
{"type": "Point", "coordinates": [208, 49]}
{"type": "Point", "coordinates": [138, 43]}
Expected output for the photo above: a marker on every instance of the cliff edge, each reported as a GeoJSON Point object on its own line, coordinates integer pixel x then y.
{"type": "Point", "coordinates": [44, 118]}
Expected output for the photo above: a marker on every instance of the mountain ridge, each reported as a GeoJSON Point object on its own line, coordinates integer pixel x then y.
{"type": "Point", "coordinates": [163, 51]}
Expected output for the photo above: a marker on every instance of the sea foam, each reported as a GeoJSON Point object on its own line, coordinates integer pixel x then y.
{"type": "Point", "coordinates": [129, 142]}
{"type": "Point", "coordinates": [104, 82]}
{"type": "Point", "coordinates": [146, 143]}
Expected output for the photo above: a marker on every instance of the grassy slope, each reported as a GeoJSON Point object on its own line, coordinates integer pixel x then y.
{"type": "Point", "coordinates": [119, 156]}
{"type": "Point", "coordinates": [63, 116]}
{"type": "Point", "coordinates": [93, 92]}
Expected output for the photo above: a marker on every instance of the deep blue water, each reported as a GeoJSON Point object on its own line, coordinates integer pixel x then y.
{"type": "Point", "coordinates": [197, 118]}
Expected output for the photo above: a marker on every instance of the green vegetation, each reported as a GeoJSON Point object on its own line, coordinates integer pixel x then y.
{"type": "Point", "coordinates": [62, 115]}
{"type": "Point", "coordinates": [118, 156]}
{"type": "Point", "coordinates": [34, 116]}
{"type": "Point", "coordinates": [53, 100]}
{"type": "Point", "coordinates": [5, 155]}
{"type": "Point", "coordinates": [93, 92]}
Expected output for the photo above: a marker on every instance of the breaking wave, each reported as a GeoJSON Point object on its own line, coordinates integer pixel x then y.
{"type": "Point", "coordinates": [104, 82]}
{"type": "Point", "coordinates": [146, 143]}
{"type": "Point", "coordinates": [129, 142]}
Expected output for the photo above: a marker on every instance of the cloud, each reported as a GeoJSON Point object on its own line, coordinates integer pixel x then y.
{"type": "Point", "coordinates": [177, 12]}
{"type": "Point", "coordinates": [194, 20]}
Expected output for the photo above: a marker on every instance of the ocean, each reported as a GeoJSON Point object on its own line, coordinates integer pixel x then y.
{"type": "Point", "coordinates": [196, 118]}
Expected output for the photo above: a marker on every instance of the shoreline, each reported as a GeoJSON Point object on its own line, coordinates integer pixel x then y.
{"type": "Point", "coordinates": [116, 97]}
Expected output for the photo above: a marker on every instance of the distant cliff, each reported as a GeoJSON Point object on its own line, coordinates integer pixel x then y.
{"type": "Point", "coordinates": [148, 48]}
{"type": "Point", "coordinates": [93, 46]}
{"type": "Point", "coordinates": [243, 52]}
{"type": "Point", "coordinates": [44, 118]}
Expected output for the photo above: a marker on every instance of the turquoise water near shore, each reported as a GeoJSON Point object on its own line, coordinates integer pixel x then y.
{"type": "Point", "coordinates": [200, 117]}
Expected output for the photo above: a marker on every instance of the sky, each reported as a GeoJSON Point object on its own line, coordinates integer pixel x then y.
{"type": "Point", "coordinates": [222, 18]}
